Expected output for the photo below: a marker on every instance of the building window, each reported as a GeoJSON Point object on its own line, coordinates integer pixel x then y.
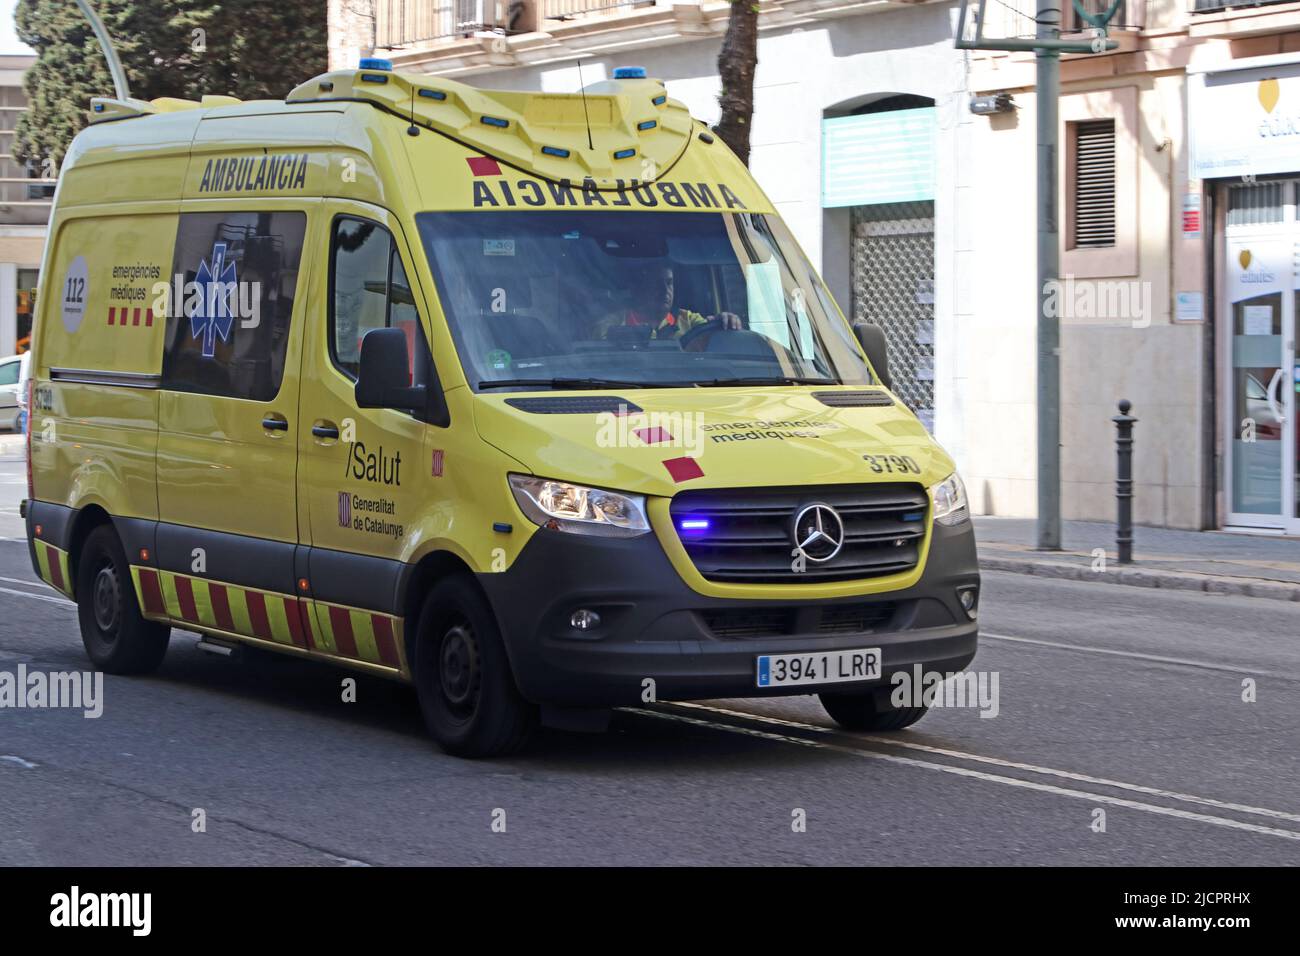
{"type": "Point", "coordinates": [1092, 184]}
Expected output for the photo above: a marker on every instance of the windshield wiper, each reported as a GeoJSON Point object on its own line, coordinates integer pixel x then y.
{"type": "Point", "coordinates": [768, 380]}
{"type": "Point", "coordinates": [575, 383]}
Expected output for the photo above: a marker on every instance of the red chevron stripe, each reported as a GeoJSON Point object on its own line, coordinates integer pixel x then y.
{"type": "Point", "coordinates": [185, 595]}
{"type": "Point", "coordinates": [295, 622]}
{"type": "Point", "coordinates": [257, 615]}
{"type": "Point", "coordinates": [152, 591]}
{"type": "Point", "coordinates": [148, 318]}
{"type": "Point", "coordinates": [341, 624]}
{"type": "Point", "coordinates": [221, 606]}
{"type": "Point", "coordinates": [383, 626]}
{"type": "Point", "coordinates": [56, 572]}
{"type": "Point", "coordinates": [112, 311]}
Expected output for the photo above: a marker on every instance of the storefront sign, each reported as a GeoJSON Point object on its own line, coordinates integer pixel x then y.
{"type": "Point", "coordinates": [1244, 122]}
{"type": "Point", "coordinates": [879, 157]}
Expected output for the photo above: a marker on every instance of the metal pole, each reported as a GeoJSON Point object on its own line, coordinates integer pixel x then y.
{"type": "Point", "coordinates": [1048, 63]}
{"type": "Point", "coordinates": [120, 85]}
{"type": "Point", "coordinates": [1124, 481]}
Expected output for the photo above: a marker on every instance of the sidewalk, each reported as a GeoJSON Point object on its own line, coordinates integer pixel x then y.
{"type": "Point", "coordinates": [1213, 561]}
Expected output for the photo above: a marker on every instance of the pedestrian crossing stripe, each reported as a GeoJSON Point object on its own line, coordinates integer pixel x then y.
{"type": "Point", "coordinates": [52, 563]}
{"type": "Point", "coordinates": [318, 627]}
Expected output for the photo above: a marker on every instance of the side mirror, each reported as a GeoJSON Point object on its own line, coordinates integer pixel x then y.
{"type": "Point", "coordinates": [384, 376]}
{"type": "Point", "coordinates": [872, 339]}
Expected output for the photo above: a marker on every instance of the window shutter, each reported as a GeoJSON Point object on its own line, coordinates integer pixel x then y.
{"type": "Point", "coordinates": [1094, 185]}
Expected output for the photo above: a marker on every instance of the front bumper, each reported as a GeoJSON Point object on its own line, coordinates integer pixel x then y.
{"type": "Point", "coordinates": [693, 646]}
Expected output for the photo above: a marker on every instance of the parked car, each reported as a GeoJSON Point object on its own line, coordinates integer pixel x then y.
{"type": "Point", "coordinates": [10, 372]}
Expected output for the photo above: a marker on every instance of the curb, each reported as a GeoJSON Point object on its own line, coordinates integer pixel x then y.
{"type": "Point", "coordinates": [1147, 578]}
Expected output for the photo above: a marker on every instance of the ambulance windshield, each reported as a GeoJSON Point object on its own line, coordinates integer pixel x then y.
{"type": "Point", "coordinates": [562, 299]}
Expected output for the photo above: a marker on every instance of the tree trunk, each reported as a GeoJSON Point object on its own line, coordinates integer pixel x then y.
{"type": "Point", "coordinates": [736, 63]}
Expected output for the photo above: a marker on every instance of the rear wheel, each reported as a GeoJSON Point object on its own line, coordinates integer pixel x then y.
{"type": "Point", "coordinates": [117, 637]}
{"type": "Point", "coordinates": [467, 693]}
{"type": "Point", "coordinates": [869, 711]}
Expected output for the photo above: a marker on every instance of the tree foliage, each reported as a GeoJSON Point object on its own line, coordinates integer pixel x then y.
{"type": "Point", "coordinates": [252, 49]}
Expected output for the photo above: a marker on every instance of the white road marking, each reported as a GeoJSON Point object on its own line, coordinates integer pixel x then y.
{"type": "Point", "coordinates": [1008, 764]}
{"type": "Point", "coordinates": [27, 764]}
{"type": "Point", "coordinates": [49, 598]}
{"type": "Point", "coordinates": [1157, 658]}
{"type": "Point", "coordinates": [30, 582]}
{"type": "Point", "coordinates": [981, 775]}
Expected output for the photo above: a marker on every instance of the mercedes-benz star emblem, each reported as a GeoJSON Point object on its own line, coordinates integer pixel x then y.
{"type": "Point", "coordinates": [818, 532]}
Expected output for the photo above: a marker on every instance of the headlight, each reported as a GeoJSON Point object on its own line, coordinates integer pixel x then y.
{"type": "Point", "coordinates": [950, 506]}
{"type": "Point", "coordinates": [564, 507]}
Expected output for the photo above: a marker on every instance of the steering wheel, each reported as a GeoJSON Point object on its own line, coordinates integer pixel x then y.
{"type": "Point", "coordinates": [702, 330]}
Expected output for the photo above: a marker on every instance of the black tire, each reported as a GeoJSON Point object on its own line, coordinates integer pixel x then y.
{"type": "Point", "coordinates": [869, 711]}
{"type": "Point", "coordinates": [462, 677]}
{"type": "Point", "coordinates": [118, 639]}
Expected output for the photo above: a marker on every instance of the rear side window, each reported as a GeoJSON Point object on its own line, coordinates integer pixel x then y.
{"type": "Point", "coordinates": [370, 290]}
{"type": "Point", "coordinates": [9, 373]}
{"type": "Point", "coordinates": [233, 283]}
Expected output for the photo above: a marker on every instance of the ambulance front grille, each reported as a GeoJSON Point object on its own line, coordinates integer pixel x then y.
{"type": "Point", "coordinates": [745, 535]}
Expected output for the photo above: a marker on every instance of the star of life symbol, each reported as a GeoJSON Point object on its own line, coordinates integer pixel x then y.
{"type": "Point", "coordinates": [215, 314]}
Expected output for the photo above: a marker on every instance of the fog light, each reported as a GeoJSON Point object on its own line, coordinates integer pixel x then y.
{"type": "Point", "coordinates": [969, 598]}
{"type": "Point", "coordinates": [584, 620]}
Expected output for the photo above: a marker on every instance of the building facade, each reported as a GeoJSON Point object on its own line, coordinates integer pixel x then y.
{"type": "Point", "coordinates": [25, 197]}
{"type": "Point", "coordinates": [1180, 235]}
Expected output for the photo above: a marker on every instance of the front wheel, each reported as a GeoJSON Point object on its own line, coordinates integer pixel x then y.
{"type": "Point", "coordinates": [869, 711]}
{"type": "Point", "coordinates": [463, 680]}
{"type": "Point", "coordinates": [118, 639]}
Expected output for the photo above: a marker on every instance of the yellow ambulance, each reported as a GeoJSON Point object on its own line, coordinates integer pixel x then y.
{"type": "Point", "coordinates": [528, 399]}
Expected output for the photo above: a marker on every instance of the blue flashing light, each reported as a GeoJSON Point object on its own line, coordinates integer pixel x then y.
{"type": "Point", "coordinates": [433, 94]}
{"type": "Point", "coordinates": [629, 72]}
{"type": "Point", "coordinates": [373, 78]}
{"type": "Point", "coordinates": [624, 153]}
{"type": "Point", "coordinates": [914, 516]}
{"type": "Point", "coordinates": [555, 151]}
{"type": "Point", "coordinates": [375, 63]}
{"type": "Point", "coordinates": [648, 124]}
{"type": "Point", "coordinates": [494, 121]}
{"type": "Point", "coordinates": [660, 100]}
{"type": "Point", "coordinates": [99, 107]}
{"type": "Point", "coordinates": [694, 524]}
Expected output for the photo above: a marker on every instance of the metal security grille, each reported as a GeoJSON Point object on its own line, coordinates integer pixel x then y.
{"type": "Point", "coordinates": [1254, 204]}
{"type": "Point", "coordinates": [893, 287]}
{"type": "Point", "coordinates": [1094, 185]}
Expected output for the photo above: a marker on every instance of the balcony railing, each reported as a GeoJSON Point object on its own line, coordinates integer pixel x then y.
{"type": "Point", "coordinates": [1131, 15]}
{"type": "Point", "coordinates": [572, 9]}
{"type": "Point", "coordinates": [399, 22]}
{"type": "Point", "coordinates": [1214, 6]}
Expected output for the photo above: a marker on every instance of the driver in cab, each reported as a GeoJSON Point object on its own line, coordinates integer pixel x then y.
{"type": "Point", "coordinates": [652, 307]}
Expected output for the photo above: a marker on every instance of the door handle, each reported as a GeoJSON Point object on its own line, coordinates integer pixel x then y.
{"type": "Point", "coordinates": [274, 423]}
{"type": "Point", "coordinates": [325, 430]}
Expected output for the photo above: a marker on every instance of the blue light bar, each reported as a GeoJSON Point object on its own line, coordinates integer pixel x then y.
{"type": "Point", "coordinates": [494, 121]}
{"type": "Point", "coordinates": [694, 524]}
{"type": "Point", "coordinates": [555, 151]}
{"type": "Point", "coordinates": [375, 63]}
{"type": "Point", "coordinates": [624, 153]}
{"type": "Point", "coordinates": [373, 78]}
{"type": "Point", "coordinates": [433, 94]}
{"type": "Point", "coordinates": [648, 124]}
{"type": "Point", "coordinates": [629, 72]}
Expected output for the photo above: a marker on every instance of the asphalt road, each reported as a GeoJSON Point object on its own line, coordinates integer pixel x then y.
{"type": "Point", "coordinates": [1113, 699]}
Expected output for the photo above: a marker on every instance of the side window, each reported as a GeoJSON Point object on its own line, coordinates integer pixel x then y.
{"type": "Point", "coordinates": [371, 291]}
{"type": "Point", "coordinates": [9, 373]}
{"type": "Point", "coordinates": [233, 284]}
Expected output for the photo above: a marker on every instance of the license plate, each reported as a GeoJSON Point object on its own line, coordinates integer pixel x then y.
{"type": "Point", "coordinates": [823, 667]}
